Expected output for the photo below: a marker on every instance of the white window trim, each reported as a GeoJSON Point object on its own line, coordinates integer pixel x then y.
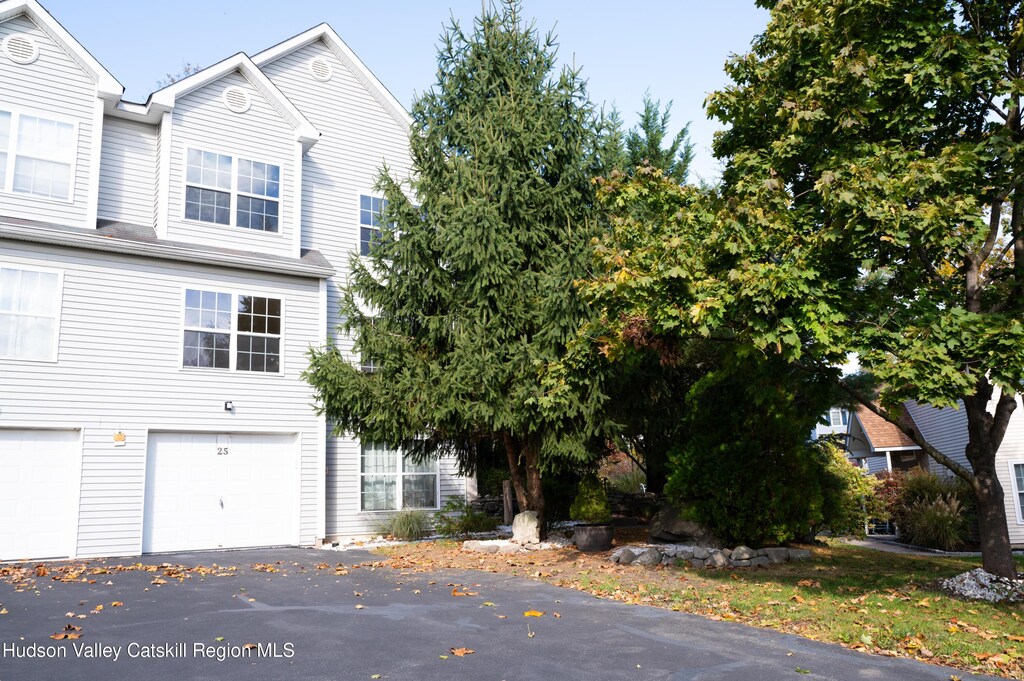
{"type": "Point", "coordinates": [359, 223]}
{"type": "Point", "coordinates": [233, 192]}
{"type": "Point", "coordinates": [54, 348]}
{"type": "Point", "coordinates": [11, 151]}
{"type": "Point", "coordinates": [1016, 490]}
{"type": "Point", "coordinates": [399, 500]}
{"type": "Point", "coordinates": [232, 333]}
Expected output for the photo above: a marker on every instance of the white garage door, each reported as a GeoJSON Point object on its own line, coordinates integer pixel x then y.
{"type": "Point", "coordinates": [209, 491]}
{"type": "Point", "coordinates": [38, 500]}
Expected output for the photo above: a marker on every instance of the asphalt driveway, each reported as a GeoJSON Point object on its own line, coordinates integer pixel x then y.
{"type": "Point", "coordinates": [294, 614]}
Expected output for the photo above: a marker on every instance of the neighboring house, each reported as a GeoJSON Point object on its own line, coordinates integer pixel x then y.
{"type": "Point", "coordinates": [877, 445]}
{"type": "Point", "coordinates": [946, 430]}
{"type": "Point", "coordinates": [164, 269]}
{"type": "Point", "coordinates": [835, 422]}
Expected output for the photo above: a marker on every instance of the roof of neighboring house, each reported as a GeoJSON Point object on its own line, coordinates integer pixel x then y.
{"type": "Point", "coordinates": [141, 241]}
{"type": "Point", "coordinates": [881, 434]}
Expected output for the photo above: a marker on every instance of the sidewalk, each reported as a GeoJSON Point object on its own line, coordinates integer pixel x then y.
{"type": "Point", "coordinates": [890, 545]}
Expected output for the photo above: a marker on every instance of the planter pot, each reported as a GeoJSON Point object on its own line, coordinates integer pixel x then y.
{"type": "Point", "coordinates": [591, 538]}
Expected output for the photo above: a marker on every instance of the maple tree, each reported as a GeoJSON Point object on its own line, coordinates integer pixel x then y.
{"type": "Point", "coordinates": [871, 202]}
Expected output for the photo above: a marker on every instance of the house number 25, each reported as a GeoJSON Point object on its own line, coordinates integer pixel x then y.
{"type": "Point", "coordinates": [222, 451]}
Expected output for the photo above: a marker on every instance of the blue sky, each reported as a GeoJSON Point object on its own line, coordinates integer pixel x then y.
{"type": "Point", "coordinates": [675, 49]}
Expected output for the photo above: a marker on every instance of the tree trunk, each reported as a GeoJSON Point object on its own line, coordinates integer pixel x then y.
{"type": "Point", "coordinates": [526, 478]}
{"type": "Point", "coordinates": [985, 434]}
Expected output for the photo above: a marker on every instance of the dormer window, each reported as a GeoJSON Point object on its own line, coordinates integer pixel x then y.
{"type": "Point", "coordinates": [218, 187]}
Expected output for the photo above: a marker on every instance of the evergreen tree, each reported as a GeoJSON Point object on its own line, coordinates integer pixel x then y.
{"type": "Point", "coordinates": [468, 294]}
{"type": "Point", "coordinates": [644, 143]}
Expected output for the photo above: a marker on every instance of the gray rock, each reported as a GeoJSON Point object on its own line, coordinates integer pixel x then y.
{"type": "Point", "coordinates": [649, 558]}
{"type": "Point", "coordinates": [727, 552]}
{"type": "Point", "coordinates": [759, 561]}
{"type": "Point", "coordinates": [480, 546]}
{"type": "Point", "coordinates": [799, 554]}
{"type": "Point", "coordinates": [717, 559]}
{"type": "Point", "coordinates": [669, 525]}
{"type": "Point", "coordinates": [697, 562]}
{"type": "Point", "coordinates": [668, 560]}
{"type": "Point", "coordinates": [777, 555]}
{"type": "Point", "coordinates": [743, 553]}
{"type": "Point", "coordinates": [762, 552]}
{"type": "Point", "coordinates": [684, 553]}
{"type": "Point", "coordinates": [511, 548]}
{"type": "Point", "coordinates": [739, 563]}
{"type": "Point", "coordinates": [626, 557]}
{"type": "Point", "coordinates": [526, 528]}
{"type": "Point", "coordinates": [701, 553]}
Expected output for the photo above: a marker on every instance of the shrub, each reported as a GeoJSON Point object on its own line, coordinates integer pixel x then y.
{"type": "Point", "coordinates": [457, 519]}
{"type": "Point", "coordinates": [406, 525]}
{"type": "Point", "coordinates": [591, 502]}
{"type": "Point", "coordinates": [938, 523]}
{"type": "Point", "coordinates": [629, 482]}
{"type": "Point", "coordinates": [919, 503]}
{"type": "Point", "coordinates": [849, 496]}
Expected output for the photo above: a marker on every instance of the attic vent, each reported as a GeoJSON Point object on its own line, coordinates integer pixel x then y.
{"type": "Point", "coordinates": [321, 69]}
{"type": "Point", "coordinates": [236, 99]}
{"type": "Point", "coordinates": [20, 48]}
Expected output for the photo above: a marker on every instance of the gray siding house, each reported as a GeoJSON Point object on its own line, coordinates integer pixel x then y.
{"type": "Point", "coordinates": [164, 268]}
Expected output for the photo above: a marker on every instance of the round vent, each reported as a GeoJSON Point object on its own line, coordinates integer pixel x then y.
{"type": "Point", "coordinates": [236, 99]}
{"type": "Point", "coordinates": [20, 48]}
{"type": "Point", "coordinates": [321, 69]}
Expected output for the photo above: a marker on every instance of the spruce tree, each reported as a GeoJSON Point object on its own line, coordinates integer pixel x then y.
{"type": "Point", "coordinates": [468, 294]}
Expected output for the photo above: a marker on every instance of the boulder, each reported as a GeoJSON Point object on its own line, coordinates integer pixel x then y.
{"type": "Point", "coordinates": [759, 561]}
{"type": "Point", "coordinates": [684, 552]}
{"type": "Point", "coordinates": [743, 553]}
{"type": "Point", "coordinates": [649, 558]}
{"type": "Point", "coordinates": [526, 528]}
{"type": "Point", "coordinates": [739, 563]}
{"type": "Point", "coordinates": [480, 546]}
{"type": "Point", "coordinates": [701, 553]}
{"type": "Point", "coordinates": [510, 548]}
{"type": "Point", "coordinates": [626, 557]}
{"type": "Point", "coordinates": [670, 525]}
{"type": "Point", "coordinates": [799, 554]}
{"type": "Point", "coordinates": [777, 555]}
{"type": "Point", "coordinates": [697, 562]}
{"type": "Point", "coordinates": [717, 559]}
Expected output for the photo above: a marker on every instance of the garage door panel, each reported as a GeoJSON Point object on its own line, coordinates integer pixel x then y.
{"type": "Point", "coordinates": [38, 470]}
{"type": "Point", "coordinates": [208, 491]}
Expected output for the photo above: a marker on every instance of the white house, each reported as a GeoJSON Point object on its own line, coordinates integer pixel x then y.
{"type": "Point", "coordinates": [164, 268]}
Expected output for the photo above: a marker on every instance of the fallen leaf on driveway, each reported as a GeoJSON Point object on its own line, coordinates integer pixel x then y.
{"type": "Point", "coordinates": [65, 634]}
{"type": "Point", "coordinates": [116, 604]}
{"type": "Point", "coordinates": [360, 606]}
{"type": "Point", "coordinates": [488, 604]}
{"type": "Point", "coordinates": [533, 613]}
{"type": "Point", "coordinates": [41, 571]}
{"type": "Point", "coordinates": [462, 652]}
{"type": "Point", "coordinates": [456, 592]}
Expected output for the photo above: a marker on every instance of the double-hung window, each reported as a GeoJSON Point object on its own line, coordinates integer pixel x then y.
{"type": "Point", "coordinates": [838, 417]}
{"type": "Point", "coordinates": [29, 313]}
{"type": "Point", "coordinates": [37, 155]}
{"type": "Point", "coordinates": [1017, 475]}
{"type": "Point", "coordinates": [220, 187]}
{"type": "Point", "coordinates": [230, 331]}
{"type": "Point", "coordinates": [390, 481]}
{"type": "Point", "coordinates": [369, 221]}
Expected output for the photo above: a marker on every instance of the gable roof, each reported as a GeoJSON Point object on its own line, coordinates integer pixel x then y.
{"type": "Point", "coordinates": [333, 41]}
{"type": "Point", "coordinates": [107, 87]}
{"type": "Point", "coordinates": [882, 435]}
{"type": "Point", "coordinates": [164, 99]}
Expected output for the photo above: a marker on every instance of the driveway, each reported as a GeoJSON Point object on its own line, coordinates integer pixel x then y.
{"type": "Point", "coordinates": [294, 614]}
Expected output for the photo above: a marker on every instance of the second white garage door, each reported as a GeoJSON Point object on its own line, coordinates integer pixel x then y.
{"type": "Point", "coordinates": [209, 491]}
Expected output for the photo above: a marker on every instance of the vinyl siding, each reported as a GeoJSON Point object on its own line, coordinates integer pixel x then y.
{"type": "Point", "coordinates": [877, 464]}
{"type": "Point", "coordinates": [53, 86]}
{"type": "Point", "coordinates": [344, 517]}
{"type": "Point", "coordinates": [358, 137]}
{"type": "Point", "coordinates": [128, 172]}
{"type": "Point", "coordinates": [119, 368]}
{"type": "Point", "coordinates": [201, 121]}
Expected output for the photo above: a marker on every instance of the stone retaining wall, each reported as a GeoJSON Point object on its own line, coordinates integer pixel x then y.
{"type": "Point", "coordinates": [703, 557]}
